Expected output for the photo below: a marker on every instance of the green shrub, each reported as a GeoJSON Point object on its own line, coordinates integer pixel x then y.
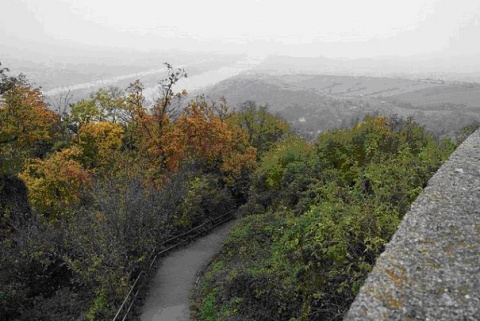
{"type": "Point", "coordinates": [319, 218]}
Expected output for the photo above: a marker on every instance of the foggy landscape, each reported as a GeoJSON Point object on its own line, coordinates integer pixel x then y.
{"type": "Point", "coordinates": [310, 70]}
{"type": "Point", "coordinates": [428, 44]}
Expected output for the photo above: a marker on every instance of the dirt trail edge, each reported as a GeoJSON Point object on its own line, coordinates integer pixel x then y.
{"type": "Point", "coordinates": [168, 298]}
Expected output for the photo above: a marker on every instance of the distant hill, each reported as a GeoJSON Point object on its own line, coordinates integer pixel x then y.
{"type": "Point", "coordinates": [446, 67]}
{"type": "Point", "coordinates": [315, 103]}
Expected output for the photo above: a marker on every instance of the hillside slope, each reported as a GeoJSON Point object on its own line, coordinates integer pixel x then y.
{"type": "Point", "coordinates": [316, 103]}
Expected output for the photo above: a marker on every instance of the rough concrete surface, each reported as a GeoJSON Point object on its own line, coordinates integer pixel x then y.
{"type": "Point", "coordinates": [168, 299]}
{"type": "Point", "coordinates": [430, 270]}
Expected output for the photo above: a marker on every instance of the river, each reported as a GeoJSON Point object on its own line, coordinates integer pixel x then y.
{"type": "Point", "coordinates": [193, 83]}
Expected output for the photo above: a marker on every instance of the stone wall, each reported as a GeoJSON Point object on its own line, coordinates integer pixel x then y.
{"type": "Point", "coordinates": [430, 270]}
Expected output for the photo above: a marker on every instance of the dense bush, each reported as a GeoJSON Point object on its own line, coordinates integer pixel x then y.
{"type": "Point", "coordinates": [317, 218]}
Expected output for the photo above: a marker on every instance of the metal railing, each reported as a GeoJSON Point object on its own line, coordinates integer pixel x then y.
{"type": "Point", "coordinates": [127, 304]}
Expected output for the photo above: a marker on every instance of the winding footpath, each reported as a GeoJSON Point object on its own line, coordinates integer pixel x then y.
{"type": "Point", "coordinates": [168, 299]}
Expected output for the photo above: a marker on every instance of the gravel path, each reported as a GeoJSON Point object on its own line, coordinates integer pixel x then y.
{"type": "Point", "coordinates": [168, 299]}
{"type": "Point", "coordinates": [430, 270]}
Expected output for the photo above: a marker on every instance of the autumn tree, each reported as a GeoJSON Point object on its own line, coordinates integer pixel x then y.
{"type": "Point", "coordinates": [56, 183]}
{"type": "Point", "coordinates": [164, 106]}
{"type": "Point", "coordinates": [27, 126]}
{"type": "Point", "coordinates": [99, 143]}
{"type": "Point", "coordinates": [203, 132]}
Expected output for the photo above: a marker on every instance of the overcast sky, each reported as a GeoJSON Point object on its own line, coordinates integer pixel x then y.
{"type": "Point", "coordinates": [332, 28]}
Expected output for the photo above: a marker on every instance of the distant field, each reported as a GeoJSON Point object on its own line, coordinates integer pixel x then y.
{"type": "Point", "coordinates": [466, 93]}
{"type": "Point", "coordinates": [355, 86]}
{"type": "Point", "coordinates": [315, 103]}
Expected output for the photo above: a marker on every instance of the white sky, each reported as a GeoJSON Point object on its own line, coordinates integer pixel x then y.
{"type": "Point", "coordinates": [348, 28]}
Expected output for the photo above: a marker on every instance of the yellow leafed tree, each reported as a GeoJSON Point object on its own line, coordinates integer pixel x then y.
{"type": "Point", "coordinates": [56, 183]}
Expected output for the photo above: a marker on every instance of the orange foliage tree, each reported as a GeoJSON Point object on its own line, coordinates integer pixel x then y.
{"type": "Point", "coordinates": [203, 133]}
{"type": "Point", "coordinates": [200, 133]}
{"type": "Point", "coordinates": [27, 127]}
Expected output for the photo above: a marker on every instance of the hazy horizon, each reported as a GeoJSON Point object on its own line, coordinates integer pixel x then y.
{"type": "Point", "coordinates": [341, 29]}
{"type": "Point", "coordinates": [81, 45]}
